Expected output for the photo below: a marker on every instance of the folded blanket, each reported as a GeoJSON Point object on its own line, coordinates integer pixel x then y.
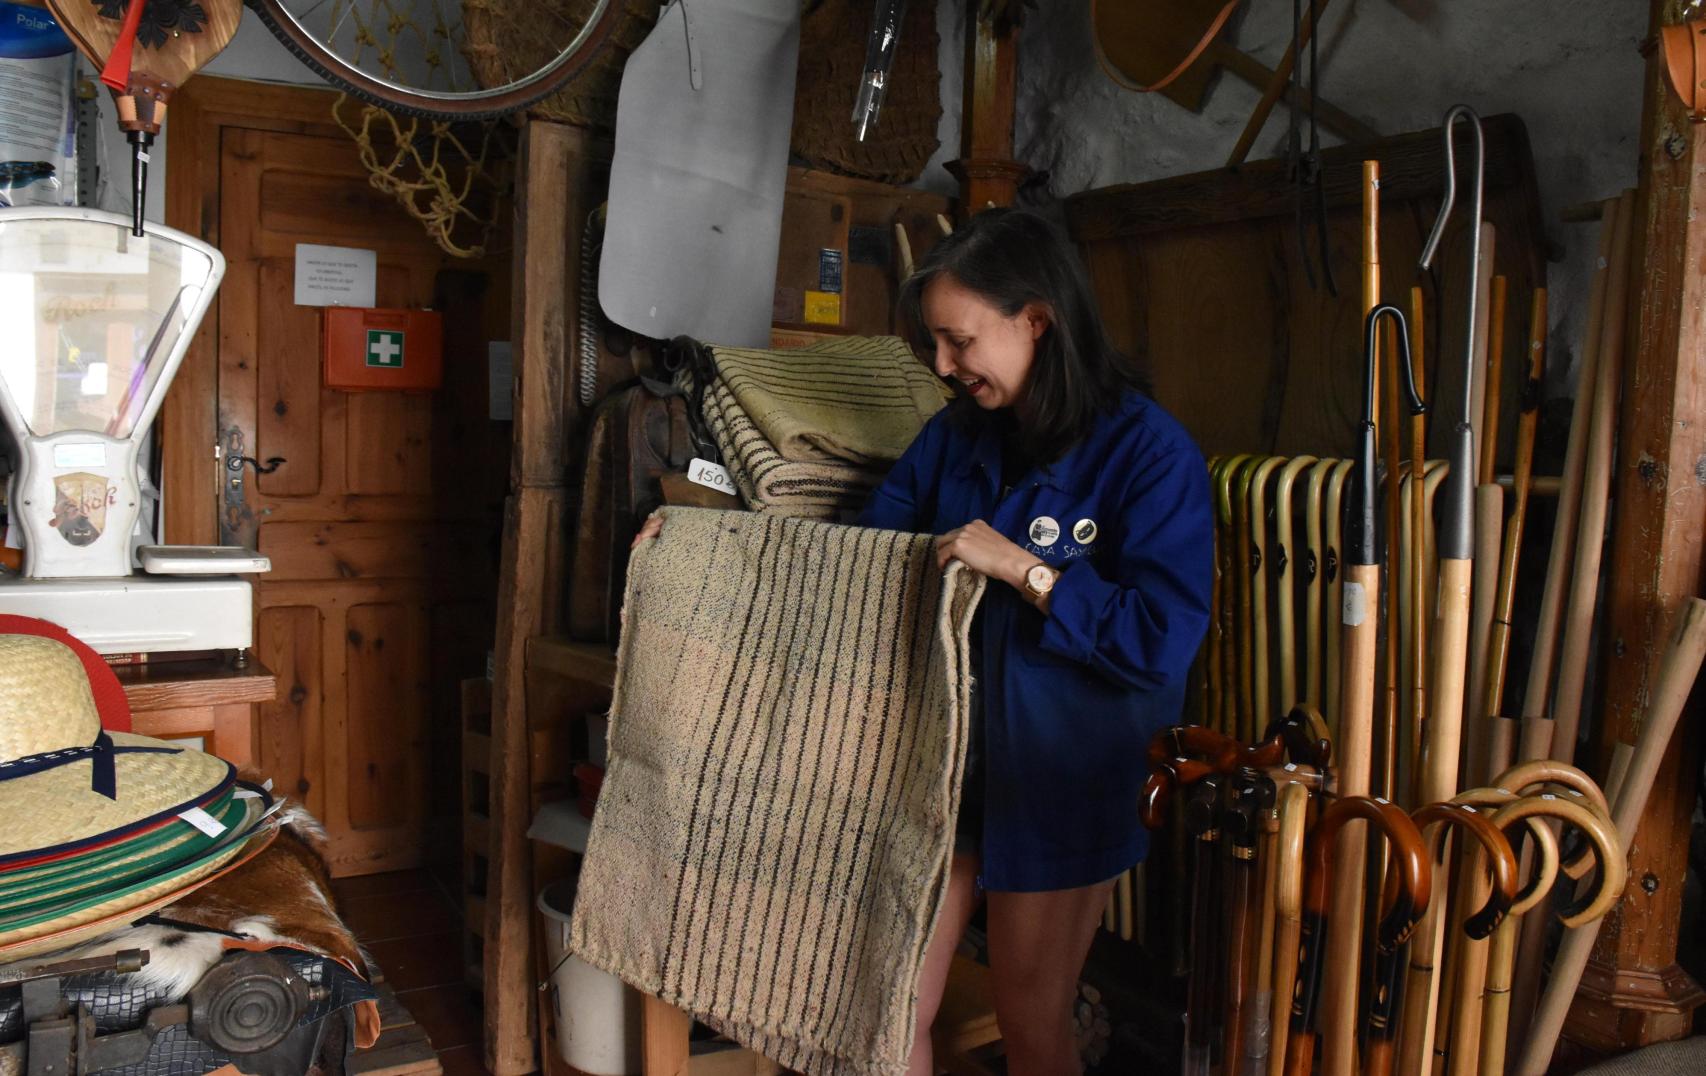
{"type": "Point", "coordinates": [818, 489]}
{"type": "Point", "coordinates": [773, 833]}
{"type": "Point", "coordinates": [858, 398]}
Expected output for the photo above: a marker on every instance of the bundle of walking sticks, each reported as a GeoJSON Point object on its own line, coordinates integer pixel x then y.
{"type": "Point", "coordinates": [1402, 923]}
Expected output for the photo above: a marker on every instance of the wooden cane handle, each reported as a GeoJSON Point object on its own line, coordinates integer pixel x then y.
{"type": "Point", "coordinates": [1525, 775]}
{"type": "Point", "coordinates": [1500, 858]}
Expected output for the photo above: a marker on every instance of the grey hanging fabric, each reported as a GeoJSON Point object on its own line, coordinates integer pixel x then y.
{"type": "Point", "coordinates": [699, 171]}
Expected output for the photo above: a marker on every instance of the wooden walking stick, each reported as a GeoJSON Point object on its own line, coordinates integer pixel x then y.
{"type": "Point", "coordinates": [1228, 575]}
{"type": "Point", "coordinates": [1602, 839]}
{"type": "Point", "coordinates": [1489, 534]}
{"type": "Point", "coordinates": [1245, 570]}
{"type": "Point", "coordinates": [1215, 661]}
{"type": "Point", "coordinates": [1204, 996]}
{"type": "Point", "coordinates": [1593, 494]}
{"type": "Point", "coordinates": [1455, 534]}
{"type": "Point", "coordinates": [1466, 968]}
{"type": "Point", "coordinates": [1410, 994]}
{"type": "Point", "coordinates": [1261, 572]}
{"type": "Point", "coordinates": [1315, 576]}
{"type": "Point", "coordinates": [1404, 901]}
{"type": "Point", "coordinates": [1333, 568]}
{"type": "Point", "coordinates": [1676, 677]}
{"type": "Point", "coordinates": [1416, 629]}
{"type": "Point", "coordinates": [1574, 656]}
{"type": "Point", "coordinates": [1501, 730]}
{"type": "Point", "coordinates": [1569, 495]}
{"type": "Point", "coordinates": [1288, 912]}
{"type": "Point", "coordinates": [1354, 745]}
{"type": "Point", "coordinates": [1285, 575]}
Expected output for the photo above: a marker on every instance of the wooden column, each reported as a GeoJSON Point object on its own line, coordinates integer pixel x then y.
{"type": "Point", "coordinates": [987, 172]}
{"type": "Point", "coordinates": [549, 209]}
{"type": "Point", "coordinates": [1634, 993]}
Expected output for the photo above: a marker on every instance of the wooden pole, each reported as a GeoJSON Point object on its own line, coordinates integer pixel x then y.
{"type": "Point", "coordinates": [1332, 673]}
{"type": "Point", "coordinates": [1286, 567]}
{"type": "Point", "coordinates": [1420, 609]}
{"type": "Point", "coordinates": [1501, 732]}
{"type": "Point", "coordinates": [1244, 571]}
{"type": "Point", "coordinates": [988, 174]}
{"type": "Point", "coordinates": [1315, 568]}
{"type": "Point", "coordinates": [1680, 667]}
{"type": "Point", "coordinates": [1489, 527]}
{"type": "Point", "coordinates": [1288, 913]}
{"type": "Point", "coordinates": [1262, 578]}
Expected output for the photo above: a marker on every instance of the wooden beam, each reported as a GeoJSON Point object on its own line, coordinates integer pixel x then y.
{"type": "Point", "coordinates": [988, 174]}
{"type": "Point", "coordinates": [549, 209]}
{"type": "Point", "coordinates": [1411, 167]}
{"type": "Point", "coordinates": [1634, 993]}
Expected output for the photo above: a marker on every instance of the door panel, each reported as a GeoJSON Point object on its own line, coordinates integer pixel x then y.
{"type": "Point", "coordinates": [368, 558]}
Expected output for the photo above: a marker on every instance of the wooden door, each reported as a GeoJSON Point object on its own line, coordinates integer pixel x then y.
{"type": "Point", "coordinates": [377, 519]}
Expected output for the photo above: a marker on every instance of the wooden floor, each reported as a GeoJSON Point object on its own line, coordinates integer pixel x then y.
{"type": "Point", "coordinates": [413, 928]}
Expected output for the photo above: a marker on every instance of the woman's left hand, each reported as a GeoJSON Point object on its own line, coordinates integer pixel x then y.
{"type": "Point", "coordinates": [984, 549]}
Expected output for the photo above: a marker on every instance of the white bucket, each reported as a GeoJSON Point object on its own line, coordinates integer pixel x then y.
{"type": "Point", "coordinates": [598, 1016]}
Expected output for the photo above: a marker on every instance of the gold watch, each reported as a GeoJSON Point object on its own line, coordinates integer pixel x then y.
{"type": "Point", "coordinates": [1039, 580]}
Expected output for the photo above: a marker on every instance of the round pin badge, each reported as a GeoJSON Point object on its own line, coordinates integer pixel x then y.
{"type": "Point", "coordinates": [1084, 531]}
{"type": "Point", "coordinates": [1044, 530]}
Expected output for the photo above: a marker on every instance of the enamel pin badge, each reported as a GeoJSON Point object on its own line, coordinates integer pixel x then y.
{"type": "Point", "coordinates": [1044, 530]}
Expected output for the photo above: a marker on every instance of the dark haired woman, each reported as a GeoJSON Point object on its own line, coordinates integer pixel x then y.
{"type": "Point", "coordinates": [1088, 508]}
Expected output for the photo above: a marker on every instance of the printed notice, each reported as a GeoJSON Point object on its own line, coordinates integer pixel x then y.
{"type": "Point", "coordinates": [335, 276]}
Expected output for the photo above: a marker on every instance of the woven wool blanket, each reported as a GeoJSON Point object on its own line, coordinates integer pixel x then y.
{"type": "Point", "coordinates": [773, 834]}
{"type": "Point", "coordinates": [858, 398]}
{"type": "Point", "coordinates": [813, 489]}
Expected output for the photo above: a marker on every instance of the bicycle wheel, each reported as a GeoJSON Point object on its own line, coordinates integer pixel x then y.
{"type": "Point", "coordinates": [361, 47]}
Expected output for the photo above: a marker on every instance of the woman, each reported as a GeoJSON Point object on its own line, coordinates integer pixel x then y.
{"type": "Point", "coordinates": [1088, 508]}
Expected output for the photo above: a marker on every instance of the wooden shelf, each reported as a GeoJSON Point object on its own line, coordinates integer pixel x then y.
{"type": "Point", "coordinates": [170, 685]}
{"type": "Point", "coordinates": [592, 663]}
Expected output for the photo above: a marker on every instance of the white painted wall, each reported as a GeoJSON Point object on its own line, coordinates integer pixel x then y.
{"type": "Point", "coordinates": [253, 54]}
{"type": "Point", "coordinates": [1570, 69]}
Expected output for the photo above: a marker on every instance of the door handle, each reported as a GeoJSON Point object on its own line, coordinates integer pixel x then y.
{"type": "Point", "coordinates": [235, 463]}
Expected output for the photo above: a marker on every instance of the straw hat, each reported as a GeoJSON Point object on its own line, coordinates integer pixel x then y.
{"type": "Point", "coordinates": [91, 828]}
{"type": "Point", "coordinates": [68, 787]}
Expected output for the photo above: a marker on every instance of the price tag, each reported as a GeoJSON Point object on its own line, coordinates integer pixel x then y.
{"type": "Point", "coordinates": [712, 476]}
{"type": "Point", "coordinates": [203, 821]}
{"type": "Point", "coordinates": [1356, 604]}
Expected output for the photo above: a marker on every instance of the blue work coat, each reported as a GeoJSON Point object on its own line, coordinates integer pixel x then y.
{"type": "Point", "coordinates": [1071, 700]}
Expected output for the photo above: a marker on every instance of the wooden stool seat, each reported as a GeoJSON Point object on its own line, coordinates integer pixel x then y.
{"type": "Point", "coordinates": [965, 1028]}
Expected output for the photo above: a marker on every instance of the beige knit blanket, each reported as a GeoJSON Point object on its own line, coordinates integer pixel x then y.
{"type": "Point", "coordinates": [861, 399]}
{"type": "Point", "coordinates": [773, 834]}
{"type": "Point", "coordinates": [813, 489]}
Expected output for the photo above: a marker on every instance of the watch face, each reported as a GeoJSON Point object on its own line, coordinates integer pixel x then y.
{"type": "Point", "coordinates": [1040, 578]}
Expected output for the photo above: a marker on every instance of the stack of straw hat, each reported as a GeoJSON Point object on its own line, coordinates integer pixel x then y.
{"type": "Point", "coordinates": [98, 828]}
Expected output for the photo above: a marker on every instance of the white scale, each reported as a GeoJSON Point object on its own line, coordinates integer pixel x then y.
{"type": "Point", "coordinates": [93, 324]}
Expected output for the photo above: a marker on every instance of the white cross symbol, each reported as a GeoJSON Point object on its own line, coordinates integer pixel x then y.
{"type": "Point", "coordinates": [385, 349]}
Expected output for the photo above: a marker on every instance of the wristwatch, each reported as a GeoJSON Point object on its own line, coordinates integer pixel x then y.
{"type": "Point", "coordinates": [1039, 580]}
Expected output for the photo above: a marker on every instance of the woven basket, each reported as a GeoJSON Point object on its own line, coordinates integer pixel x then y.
{"type": "Point", "coordinates": [503, 43]}
{"type": "Point", "coordinates": [832, 57]}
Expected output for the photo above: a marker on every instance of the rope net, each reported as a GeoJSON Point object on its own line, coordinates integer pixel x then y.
{"type": "Point", "coordinates": [449, 176]}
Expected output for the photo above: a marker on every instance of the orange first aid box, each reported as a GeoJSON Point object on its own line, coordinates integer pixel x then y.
{"type": "Point", "coordinates": [396, 350]}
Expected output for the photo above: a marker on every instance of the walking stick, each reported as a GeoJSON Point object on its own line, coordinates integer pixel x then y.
{"type": "Point", "coordinates": [1204, 995]}
{"type": "Point", "coordinates": [1212, 659]}
{"type": "Point", "coordinates": [1594, 488]}
{"type": "Point", "coordinates": [1285, 578]}
{"type": "Point", "coordinates": [1405, 899]}
{"type": "Point", "coordinates": [1602, 839]}
{"type": "Point", "coordinates": [1676, 677]}
{"type": "Point", "coordinates": [1466, 970]}
{"type": "Point", "coordinates": [1315, 576]}
{"type": "Point", "coordinates": [1595, 493]}
{"type": "Point", "coordinates": [1225, 654]}
{"type": "Point", "coordinates": [1412, 994]}
{"type": "Point", "coordinates": [1361, 606]}
{"type": "Point", "coordinates": [1501, 731]}
{"type": "Point", "coordinates": [1332, 673]}
{"type": "Point", "coordinates": [1569, 494]}
{"type": "Point", "coordinates": [1260, 573]}
{"type": "Point", "coordinates": [1417, 628]}
{"type": "Point", "coordinates": [1251, 796]}
{"type": "Point", "coordinates": [1288, 911]}
{"type": "Point", "coordinates": [1455, 536]}
{"type": "Point", "coordinates": [1489, 532]}
{"type": "Point", "coordinates": [1246, 569]}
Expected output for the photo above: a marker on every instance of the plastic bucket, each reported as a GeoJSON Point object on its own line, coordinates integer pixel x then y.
{"type": "Point", "coordinates": [598, 1016]}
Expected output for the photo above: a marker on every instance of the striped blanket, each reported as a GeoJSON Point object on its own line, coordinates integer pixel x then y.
{"type": "Point", "coordinates": [773, 834]}
{"type": "Point", "coordinates": [813, 489]}
{"type": "Point", "coordinates": [861, 399]}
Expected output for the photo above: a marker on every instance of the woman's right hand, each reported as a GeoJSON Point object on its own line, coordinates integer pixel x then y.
{"type": "Point", "coordinates": [651, 528]}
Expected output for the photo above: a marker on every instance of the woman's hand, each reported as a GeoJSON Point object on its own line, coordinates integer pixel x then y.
{"type": "Point", "coordinates": [984, 549]}
{"type": "Point", "coordinates": [651, 528]}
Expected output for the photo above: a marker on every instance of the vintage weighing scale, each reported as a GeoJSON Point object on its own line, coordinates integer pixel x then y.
{"type": "Point", "coordinates": [96, 320]}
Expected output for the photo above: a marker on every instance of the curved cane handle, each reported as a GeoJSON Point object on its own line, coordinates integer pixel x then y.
{"type": "Point", "coordinates": [1197, 743]}
{"type": "Point", "coordinates": [1165, 779]}
{"type": "Point", "coordinates": [1524, 775]}
{"type": "Point", "coordinates": [1500, 858]}
{"type": "Point", "coordinates": [1532, 810]}
{"type": "Point", "coordinates": [1304, 735]}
